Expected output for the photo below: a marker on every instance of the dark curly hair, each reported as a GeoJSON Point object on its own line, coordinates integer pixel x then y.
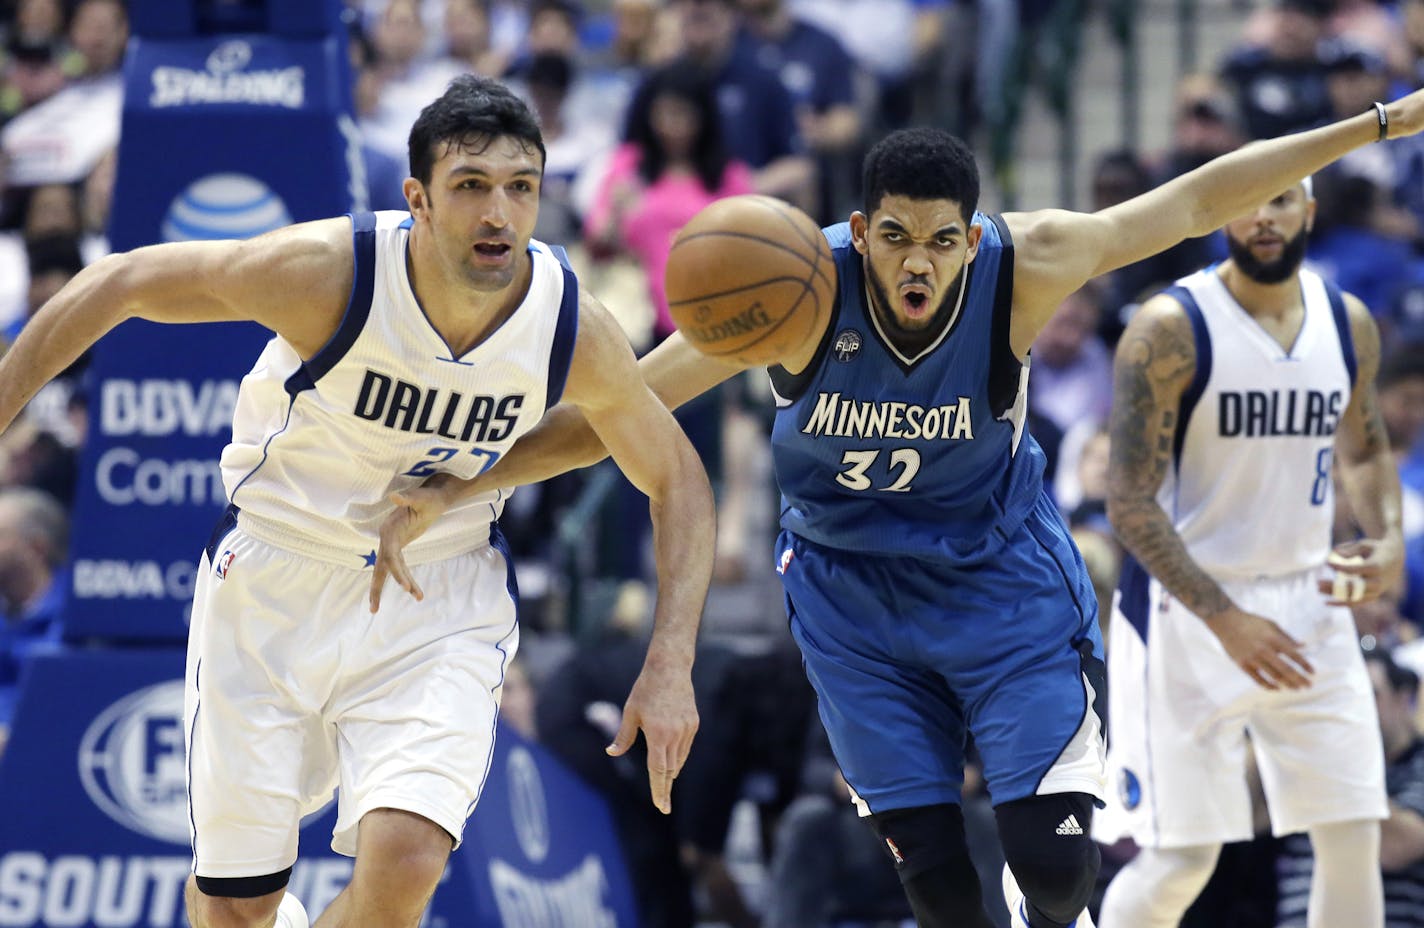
{"type": "Point", "coordinates": [922, 164]}
{"type": "Point", "coordinates": [473, 111]}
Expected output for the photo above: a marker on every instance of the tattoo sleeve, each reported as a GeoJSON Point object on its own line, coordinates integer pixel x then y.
{"type": "Point", "coordinates": [1155, 361]}
{"type": "Point", "coordinates": [1367, 469]}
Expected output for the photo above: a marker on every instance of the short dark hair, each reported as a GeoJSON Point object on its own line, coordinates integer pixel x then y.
{"type": "Point", "coordinates": [922, 164]}
{"type": "Point", "coordinates": [474, 110]}
{"type": "Point", "coordinates": [1400, 679]}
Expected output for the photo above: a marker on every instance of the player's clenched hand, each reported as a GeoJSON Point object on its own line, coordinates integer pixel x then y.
{"type": "Point", "coordinates": [1364, 570]}
{"type": "Point", "coordinates": [1262, 649]}
{"type": "Point", "coordinates": [416, 510]}
{"type": "Point", "coordinates": [662, 705]}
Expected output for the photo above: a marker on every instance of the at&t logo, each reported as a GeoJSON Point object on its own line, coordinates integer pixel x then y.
{"type": "Point", "coordinates": [222, 206]}
{"type": "Point", "coordinates": [131, 762]}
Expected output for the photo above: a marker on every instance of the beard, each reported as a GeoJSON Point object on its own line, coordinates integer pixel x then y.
{"type": "Point", "coordinates": [884, 309]}
{"type": "Point", "coordinates": [1269, 272]}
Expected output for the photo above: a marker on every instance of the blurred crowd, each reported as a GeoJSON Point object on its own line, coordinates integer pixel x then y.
{"type": "Point", "coordinates": [651, 109]}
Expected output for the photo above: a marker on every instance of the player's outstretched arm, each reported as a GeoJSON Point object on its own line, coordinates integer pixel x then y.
{"type": "Point", "coordinates": [562, 441]}
{"type": "Point", "coordinates": [1057, 250]}
{"type": "Point", "coordinates": [290, 281]}
{"type": "Point", "coordinates": [1154, 364]}
{"type": "Point", "coordinates": [1369, 477]}
{"type": "Point", "coordinates": [650, 448]}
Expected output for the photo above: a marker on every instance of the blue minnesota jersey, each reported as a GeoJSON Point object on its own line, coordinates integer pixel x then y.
{"type": "Point", "coordinates": [922, 456]}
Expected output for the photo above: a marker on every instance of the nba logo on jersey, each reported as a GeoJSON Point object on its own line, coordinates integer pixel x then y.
{"type": "Point", "coordinates": [224, 562]}
{"type": "Point", "coordinates": [847, 344]}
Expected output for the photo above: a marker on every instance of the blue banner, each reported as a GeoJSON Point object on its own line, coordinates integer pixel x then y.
{"type": "Point", "coordinates": [223, 137]}
{"type": "Point", "coordinates": [94, 817]}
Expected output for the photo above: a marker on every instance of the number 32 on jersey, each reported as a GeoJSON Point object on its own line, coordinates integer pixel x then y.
{"type": "Point", "coordinates": [900, 469]}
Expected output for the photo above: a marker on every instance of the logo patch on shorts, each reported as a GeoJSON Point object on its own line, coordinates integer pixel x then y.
{"type": "Point", "coordinates": [895, 852]}
{"type": "Point", "coordinates": [785, 560]}
{"type": "Point", "coordinates": [1129, 790]}
{"type": "Point", "coordinates": [224, 563]}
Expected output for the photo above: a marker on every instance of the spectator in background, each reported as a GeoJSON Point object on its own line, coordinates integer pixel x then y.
{"type": "Point", "coordinates": [53, 260]}
{"type": "Point", "coordinates": [518, 702]}
{"type": "Point", "coordinates": [467, 38]}
{"type": "Point", "coordinates": [34, 540]}
{"type": "Point", "coordinates": [61, 139]}
{"type": "Point", "coordinates": [28, 75]}
{"type": "Point", "coordinates": [758, 116]}
{"type": "Point", "coordinates": [673, 163]}
{"type": "Point", "coordinates": [1396, 691]}
{"type": "Point", "coordinates": [1072, 368]}
{"type": "Point", "coordinates": [96, 198]}
{"type": "Point", "coordinates": [579, 711]}
{"type": "Point", "coordinates": [408, 80]}
{"type": "Point", "coordinates": [1400, 385]}
{"type": "Point", "coordinates": [820, 76]}
{"type": "Point", "coordinates": [1362, 238]}
{"type": "Point", "coordinates": [1280, 82]}
{"type": "Point", "coordinates": [578, 148]}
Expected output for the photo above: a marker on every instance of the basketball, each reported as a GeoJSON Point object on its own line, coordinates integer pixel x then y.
{"type": "Point", "coordinates": [750, 278]}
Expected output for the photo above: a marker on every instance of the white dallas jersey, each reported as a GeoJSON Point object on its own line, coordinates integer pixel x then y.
{"type": "Point", "coordinates": [1249, 491]}
{"type": "Point", "coordinates": [317, 447]}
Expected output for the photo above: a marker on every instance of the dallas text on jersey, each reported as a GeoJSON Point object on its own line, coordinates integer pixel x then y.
{"type": "Point", "coordinates": [410, 408]}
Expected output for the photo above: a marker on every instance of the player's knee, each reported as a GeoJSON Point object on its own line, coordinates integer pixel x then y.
{"type": "Point", "coordinates": [923, 838]}
{"type": "Point", "coordinates": [401, 856]}
{"type": "Point", "coordinates": [1048, 845]}
{"type": "Point", "coordinates": [931, 856]}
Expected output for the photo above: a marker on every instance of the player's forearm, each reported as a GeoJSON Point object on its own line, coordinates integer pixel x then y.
{"type": "Point", "coordinates": [1237, 183]}
{"type": "Point", "coordinates": [1372, 487]}
{"type": "Point", "coordinates": [684, 540]}
{"type": "Point", "coordinates": [67, 325]}
{"type": "Point", "coordinates": [1148, 535]}
{"type": "Point", "coordinates": [561, 442]}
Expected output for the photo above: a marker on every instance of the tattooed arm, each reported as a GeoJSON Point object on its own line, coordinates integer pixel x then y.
{"type": "Point", "coordinates": [1367, 470]}
{"type": "Point", "coordinates": [1155, 362]}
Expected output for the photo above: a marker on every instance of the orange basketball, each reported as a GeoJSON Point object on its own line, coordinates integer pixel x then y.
{"type": "Point", "coordinates": [750, 278]}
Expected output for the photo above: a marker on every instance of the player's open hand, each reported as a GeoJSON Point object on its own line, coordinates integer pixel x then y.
{"type": "Point", "coordinates": [1363, 571]}
{"type": "Point", "coordinates": [662, 705]}
{"type": "Point", "coordinates": [416, 510]}
{"type": "Point", "coordinates": [1262, 649]}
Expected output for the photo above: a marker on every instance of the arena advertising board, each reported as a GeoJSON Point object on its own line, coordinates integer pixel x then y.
{"type": "Point", "coordinates": [223, 137]}
{"type": "Point", "coordinates": [94, 817]}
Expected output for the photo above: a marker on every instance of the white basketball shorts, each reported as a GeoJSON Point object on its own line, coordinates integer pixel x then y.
{"type": "Point", "coordinates": [294, 689]}
{"type": "Point", "coordinates": [1180, 711]}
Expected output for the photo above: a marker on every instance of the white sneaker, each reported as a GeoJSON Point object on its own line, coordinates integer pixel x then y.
{"type": "Point", "coordinates": [291, 914]}
{"type": "Point", "coordinates": [1018, 915]}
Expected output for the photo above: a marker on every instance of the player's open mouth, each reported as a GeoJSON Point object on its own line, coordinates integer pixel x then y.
{"type": "Point", "coordinates": [914, 300]}
{"type": "Point", "coordinates": [493, 251]}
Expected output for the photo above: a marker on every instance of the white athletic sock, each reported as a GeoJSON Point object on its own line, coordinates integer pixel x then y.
{"type": "Point", "coordinates": [1346, 888]}
{"type": "Point", "coordinates": [1158, 886]}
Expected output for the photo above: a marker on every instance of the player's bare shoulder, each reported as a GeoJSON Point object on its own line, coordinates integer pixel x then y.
{"type": "Point", "coordinates": [1158, 346]}
{"type": "Point", "coordinates": [296, 280]}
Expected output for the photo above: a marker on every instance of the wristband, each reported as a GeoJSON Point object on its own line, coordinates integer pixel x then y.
{"type": "Point", "coordinates": [1383, 121]}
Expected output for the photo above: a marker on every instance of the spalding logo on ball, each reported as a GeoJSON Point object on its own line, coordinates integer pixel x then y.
{"type": "Point", "coordinates": [221, 206]}
{"type": "Point", "coordinates": [750, 278]}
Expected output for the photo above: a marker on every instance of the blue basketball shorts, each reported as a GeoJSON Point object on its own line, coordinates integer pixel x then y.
{"type": "Point", "coordinates": [909, 657]}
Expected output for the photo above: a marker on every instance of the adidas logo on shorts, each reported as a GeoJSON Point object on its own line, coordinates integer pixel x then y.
{"type": "Point", "coordinates": [1069, 826]}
